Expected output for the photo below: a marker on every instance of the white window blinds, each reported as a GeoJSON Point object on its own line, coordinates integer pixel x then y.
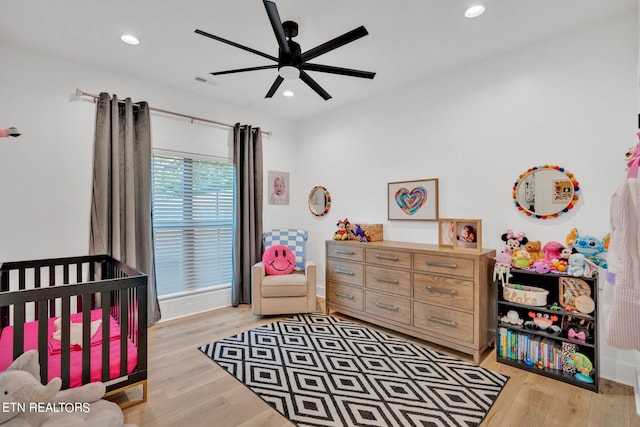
{"type": "Point", "coordinates": [192, 223]}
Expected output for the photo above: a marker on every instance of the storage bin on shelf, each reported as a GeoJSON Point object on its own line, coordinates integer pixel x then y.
{"type": "Point", "coordinates": [527, 295]}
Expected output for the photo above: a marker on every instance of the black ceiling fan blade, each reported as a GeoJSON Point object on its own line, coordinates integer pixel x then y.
{"type": "Point", "coordinates": [352, 35]}
{"type": "Point", "coordinates": [338, 70]}
{"type": "Point", "coordinates": [241, 70]}
{"type": "Point", "coordinates": [314, 85]}
{"type": "Point", "coordinates": [234, 44]}
{"type": "Point", "coordinates": [274, 87]}
{"type": "Point", "coordinates": [276, 24]}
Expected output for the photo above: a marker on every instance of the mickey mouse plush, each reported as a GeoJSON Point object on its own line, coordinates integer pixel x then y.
{"type": "Point", "coordinates": [513, 241]}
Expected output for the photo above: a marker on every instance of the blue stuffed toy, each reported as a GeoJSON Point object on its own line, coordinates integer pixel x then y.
{"type": "Point", "coordinates": [594, 249]}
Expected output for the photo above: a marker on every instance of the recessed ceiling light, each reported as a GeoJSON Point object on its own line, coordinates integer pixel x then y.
{"type": "Point", "coordinates": [287, 93]}
{"type": "Point", "coordinates": [129, 39]}
{"type": "Point", "coordinates": [474, 11]}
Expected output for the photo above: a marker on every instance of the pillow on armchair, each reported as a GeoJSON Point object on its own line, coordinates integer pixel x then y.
{"type": "Point", "coordinates": [278, 259]}
{"type": "Point", "coordinates": [292, 238]}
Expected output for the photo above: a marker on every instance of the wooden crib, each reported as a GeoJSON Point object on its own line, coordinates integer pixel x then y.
{"type": "Point", "coordinates": [77, 291]}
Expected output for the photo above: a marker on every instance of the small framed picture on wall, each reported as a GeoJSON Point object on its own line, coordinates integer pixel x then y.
{"type": "Point", "coordinates": [468, 235]}
{"type": "Point", "coordinates": [413, 200]}
{"type": "Point", "coordinates": [278, 188]}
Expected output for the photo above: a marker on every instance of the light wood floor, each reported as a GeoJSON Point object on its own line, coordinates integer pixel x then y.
{"type": "Point", "coordinates": [186, 388]}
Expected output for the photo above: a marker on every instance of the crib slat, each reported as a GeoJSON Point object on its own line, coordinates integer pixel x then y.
{"type": "Point", "coordinates": [124, 332]}
{"type": "Point", "coordinates": [86, 339]}
{"type": "Point", "coordinates": [43, 343]}
{"type": "Point", "coordinates": [65, 343]}
{"type": "Point", "coordinates": [18, 330]}
{"type": "Point", "coordinates": [52, 282]}
{"type": "Point", "coordinates": [106, 333]}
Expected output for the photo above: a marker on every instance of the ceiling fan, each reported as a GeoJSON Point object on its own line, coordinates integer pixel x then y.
{"type": "Point", "coordinates": [291, 61]}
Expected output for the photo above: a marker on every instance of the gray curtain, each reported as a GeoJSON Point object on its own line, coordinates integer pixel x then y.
{"type": "Point", "coordinates": [247, 248]}
{"type": "Point", "coordinates": [121, 204]}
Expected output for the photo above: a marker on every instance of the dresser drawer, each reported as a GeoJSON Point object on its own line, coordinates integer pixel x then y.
{"type": "Point", "coordinates": [449, 291]}
{"type": "Point", "coordinates": [346, 272]}
{"type": "Point", "coordinates": [392, 308]}
{"type": "Point", "coordinates": [397, 282]}
{"type": "Point", "coordinates": [388, 257]}
{"type": "Point", "coordinates": [342, 251]}
{"type": "Point", "coordinates": [345, 296]}
{"type": "Point", "coordinates": [448, 265]}
{"type": "Point", "coordinates": [443, 321]}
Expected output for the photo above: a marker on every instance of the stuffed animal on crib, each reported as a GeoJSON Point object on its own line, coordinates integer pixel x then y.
{"type": "Point", "coordinates": [26, 402]}
{"type": "Point", "coordinates": [343, 230]}
{"type": "Point", "coordinates": [542, 266]}
{"type": "Point", "coordinates": [362, 235]}
{"type": "Point", "coordinates": [534, 247]}
{"type": "Point", "coordinates": [513, 241]}
{"type": "Point", "coordinates": [594, 249]}
{"type": "Point", "coordinates": [577, 264]}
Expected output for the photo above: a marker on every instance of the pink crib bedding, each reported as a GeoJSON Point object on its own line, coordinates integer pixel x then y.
{"type": "Point", "coordinates": [54, 351]}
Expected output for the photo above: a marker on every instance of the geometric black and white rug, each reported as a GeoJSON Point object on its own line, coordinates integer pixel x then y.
{"type": "Point", "coordinates": [318, 370]}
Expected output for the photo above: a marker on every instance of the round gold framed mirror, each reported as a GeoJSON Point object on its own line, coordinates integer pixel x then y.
{"type": "Point", "coordinates": [319, 200]}
{"type": "Point", "coordinates": [545, 192]}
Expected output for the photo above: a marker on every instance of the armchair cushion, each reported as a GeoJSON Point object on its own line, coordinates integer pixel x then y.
{"type": "Point", "coordinates": [292, 238]}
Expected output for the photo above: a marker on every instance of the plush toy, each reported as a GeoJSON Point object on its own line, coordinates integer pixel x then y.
{"type": "Point", "coordinates": [26, 402]}
{"type": "Point", "coordinates": [362, 235]}
{"type": "Point", "coordinates": [576, 265]}
{"type": "Point", "coordinates": [343, 230]}
{"type": "Point", "coordinates": [534, 247]}
{"type": "Point", "coordinates": [552, 250]}
{"type": "Point", "coordinates": [502, 268]}
{"type": "Point", "coordinates": [594, 249]}
{"type": "Point", "coordinates": [278, 259]}
{"type": "Point", "coordinates": [520, 259]}
{"type": "Point", "coordinates": [513, 241]}
{"type": "Point", "coordinates": [541, 265]}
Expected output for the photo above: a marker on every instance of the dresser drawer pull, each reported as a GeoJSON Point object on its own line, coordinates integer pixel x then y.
{"type": "Point", "coordinates": [441, 264]}
{"type": "Point", "coordinates": [343, 252]}
{"type": "Point", "coordinates": [451, 292]}
{"type": "Point", "coordinates": [443, 321]}
{"type": "Point", "coordinates": [340, 271]}
{"type": "Point", "coordinates": [343, 295]}
{"type": "Point", "coordinates": [388, 258]}
{"type": "Point", "coordinates": [383, 279]}
{"type": "Point", "coordinates": [386, 306]}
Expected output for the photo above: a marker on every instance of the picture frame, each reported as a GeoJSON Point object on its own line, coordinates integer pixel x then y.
{"type": "Point", "coordinates": [278, 188]}
{"type": "Point", "coordinates": [468, 235]}
{"type": "Point", "coordinates": [413, 200]}
{"type": "Point", "coordinates": [446, 232]}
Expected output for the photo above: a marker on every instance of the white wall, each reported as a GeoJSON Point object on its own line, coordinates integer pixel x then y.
{"type": "Point", "coordinates": [45, 174]}
{"type": "Point", "coordinates": [569, 101]}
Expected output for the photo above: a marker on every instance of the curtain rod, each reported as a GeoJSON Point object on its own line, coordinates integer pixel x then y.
{"type": "Point", "coordinates": [80, 92]}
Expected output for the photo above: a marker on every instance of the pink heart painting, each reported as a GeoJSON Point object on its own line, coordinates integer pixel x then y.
{"type": "Point", "coordinates": [410, 201]}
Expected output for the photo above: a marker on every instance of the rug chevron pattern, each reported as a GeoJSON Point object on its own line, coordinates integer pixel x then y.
{"type": "Point", "coordinates": [318, 370]}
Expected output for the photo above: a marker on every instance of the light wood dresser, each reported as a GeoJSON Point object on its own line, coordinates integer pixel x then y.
{"type": "Point", "coordinates": [432, 293]}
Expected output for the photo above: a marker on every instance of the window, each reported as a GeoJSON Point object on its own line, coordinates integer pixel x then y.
{"type": "Point", "coordinates": [192, 223]}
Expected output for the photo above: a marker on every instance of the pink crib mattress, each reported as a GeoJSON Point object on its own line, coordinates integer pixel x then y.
{"type": "Point", "coordinates": [54, 351]}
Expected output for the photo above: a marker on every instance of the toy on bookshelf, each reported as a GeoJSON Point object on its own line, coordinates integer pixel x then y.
{"type": "Point", "coordinates": [583, 365]}
{"type": "Point", "coordinates": [543, 322]}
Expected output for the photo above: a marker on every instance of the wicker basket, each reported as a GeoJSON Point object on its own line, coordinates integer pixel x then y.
{"type": "Point", "coordinates": [374, 231]}
{"type": "Point", "coordinates": [527, 295]}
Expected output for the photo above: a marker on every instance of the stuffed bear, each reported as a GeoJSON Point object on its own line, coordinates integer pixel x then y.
{"type": "Point", "coordinates": [534, 247]}
{"type": "Point", "coordinates": [31, 404]}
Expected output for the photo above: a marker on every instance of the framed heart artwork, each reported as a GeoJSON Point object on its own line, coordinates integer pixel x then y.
{"type": "Point", "coordinates": [413, 200]}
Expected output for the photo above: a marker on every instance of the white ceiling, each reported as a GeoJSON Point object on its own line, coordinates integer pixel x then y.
{"type": "Point", "coordinates": [408, 40]}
